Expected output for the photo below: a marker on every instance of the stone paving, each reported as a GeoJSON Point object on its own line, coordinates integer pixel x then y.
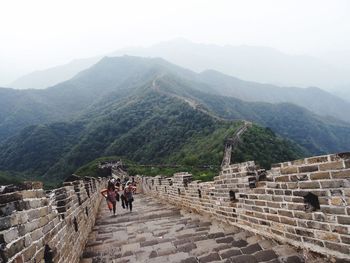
{"type": "Point", "coordinates": [156, 232]}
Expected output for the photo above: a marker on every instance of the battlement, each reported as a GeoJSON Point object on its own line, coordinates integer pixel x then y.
{"type": "Point", "coordinates": [39, 226]}
{"type": "Point", "coordinates": [304, 202]}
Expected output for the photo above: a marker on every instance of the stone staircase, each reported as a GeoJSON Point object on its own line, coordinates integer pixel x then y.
{"type": "Point", "coordinates": [156, 232]}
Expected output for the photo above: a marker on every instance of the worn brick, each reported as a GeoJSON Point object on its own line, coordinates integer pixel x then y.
{"type": "Point", "coordinates": [244, 259]}
{"type": "Point", "coordinates": [344, 220]}
{"type": "Point", "coordinates": [340, 229]}
{"type": "Point", "coordinates": [274, 218]}
{"type": "Point", "coordinates": [288, 221]}
{"type": "Point", "coordinates": [239, 243]}
{"type": "Point", "coordinates": [345, 174]}
{"type": "Point", "coordinates": [29, 252]}
{"type": "Point", "coordinates": [10, 197]}
{"type": "Point", "coordinates": [265, 255]}
{"type": "Point", "coordinates": [320, 176]}
{"type": "Point", "coordinates": [318, 225]}
{"type": "Point", "coordinates": [273, 204]}
{"type": "Point", "coordinates": [332, 166]}
{"type": "Point", "coordinates": [282, 178]}
{"type": "Point", "coordinates": [303, 215]}
{"type": "Point", "coordinates": [324, 201]}
{"type": "Point", "coordinates": [307, 168]}
{"type": "Point", "coordinates": [296, 206]}
{"type": "Point", "coordinates": [14, 248]}
{"type": "Point", "coordinates": [314, 241]}
{"type": "Point", "coordinates": [336, 247]}
{"type": "Point", "coordinates": [293, 185]}
{"type": "Point", "coordinates": [338, 201]}
{"type": "Point", "coordinates": [285, 213]}
{"type": "Point", "coordinates": [230, 253]}
{"type": "Point", "coordinates": [293, 237]}
{"type": "Point", "coordinates": [309, 185]}
{"type": "Point", "coordinates": [225, 240]}
{"type": "Point", "coordinates": [332, 183]}
{"type": "Point", "coordinates": [327, 236]}
{"type": "Point", "coordinates": [317, 159]}
{"type": "Point", "coordinates": [304, 232]}
{"type": "Point", "coordinates": [5, 222]}
{"type": "Point", "coordinates": [345, 239]}
{"type": "Point", "coordinates": [8, 236]}
{"type": "Point", "coordinates": [333, 210]}
{"type": "Point", "coordinates": [251, 249]}
{"type": "Point", "coordinates": [209, 258]}
{"type": "Point", "coordinates": [277, 232]}
{"type": "Point", "coordinates": [289, 170]}
{"type": "Point", "coordinates": [299, 177]}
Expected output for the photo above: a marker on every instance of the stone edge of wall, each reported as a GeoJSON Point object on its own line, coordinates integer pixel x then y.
{"type": "Point", "coordinates": [277, 206]}
{"type": "Point", "coordinates": [39, 226]}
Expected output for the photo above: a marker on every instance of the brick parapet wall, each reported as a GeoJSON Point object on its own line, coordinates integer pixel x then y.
{"type": "Point", "coordinates": [304, 202]}
{"type": "Point", "coordinates": [38, 226]}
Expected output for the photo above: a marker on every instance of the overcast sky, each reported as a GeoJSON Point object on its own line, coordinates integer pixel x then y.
{"type": "Point", "coordinates": [38, 34]}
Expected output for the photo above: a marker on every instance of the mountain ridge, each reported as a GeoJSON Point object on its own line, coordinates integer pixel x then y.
{"type": "Point", "coordinates": [253, 63]}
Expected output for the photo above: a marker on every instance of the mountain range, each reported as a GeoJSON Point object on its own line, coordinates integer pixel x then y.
{"type": "Point", "coordinates": [150, 111]}
{"type": "Point", "coordinates": [251, 63]}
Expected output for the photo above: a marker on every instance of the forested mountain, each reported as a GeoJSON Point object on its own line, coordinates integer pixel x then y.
{"type": "Point", "coordinates": [149, 128]}
{"type": "Point", "coordinates": [253, 63]}
{"type": "Point", "coordinates": [150, 111]}
{"type": "Point", "coordinates": [314, 99]}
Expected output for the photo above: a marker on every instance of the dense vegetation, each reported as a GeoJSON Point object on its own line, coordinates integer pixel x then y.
{"type": "Point", "coordinates": [263, 146]}
{"type": "Point", "coordinates": [139, 109]}
{"type": "Point", "coordinates": [147, 129]}
{"type": "Point", "coordinates": [202, 155]}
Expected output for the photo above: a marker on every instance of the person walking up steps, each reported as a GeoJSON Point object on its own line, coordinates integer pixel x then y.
{"type": "Point", "coordinates": [122, 197]}
{"type": "Point", "coordinates": [111, 196]}
{"type": "Point", "coordinates": [128, 193]}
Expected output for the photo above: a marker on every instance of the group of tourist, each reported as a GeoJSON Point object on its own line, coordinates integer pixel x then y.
{"type": "Point", "coordinates": [117, 191]}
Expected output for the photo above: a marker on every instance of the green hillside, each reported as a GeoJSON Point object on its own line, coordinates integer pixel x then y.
{"type": "Point", "coordinates": [148, 129]}
{"type": "Point", "coordinates": [202, 154]}
{"type": "Point", "coordinates": [149, 111]}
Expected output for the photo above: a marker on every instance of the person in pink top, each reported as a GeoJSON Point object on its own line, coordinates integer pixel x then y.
{"type": "Point", "coordinates": [111, 196]}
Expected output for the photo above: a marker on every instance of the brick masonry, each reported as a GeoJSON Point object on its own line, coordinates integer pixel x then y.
{"type": "Point", "coordinates": [304, 202]}
{"type": "Point", "coordinates": [38, 226]}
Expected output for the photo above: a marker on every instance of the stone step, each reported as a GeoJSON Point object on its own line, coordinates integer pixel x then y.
{"type": "Point", "coordinates": [161, 233]}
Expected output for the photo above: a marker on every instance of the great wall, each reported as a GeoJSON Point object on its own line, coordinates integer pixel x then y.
{"type": "Point", "coordinates": [304, 202]}
{"type": "Point", "coordinates": [245, 215]}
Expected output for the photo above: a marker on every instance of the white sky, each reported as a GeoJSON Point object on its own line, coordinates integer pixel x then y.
{"type": "Point", "coordinates": [37, 34]}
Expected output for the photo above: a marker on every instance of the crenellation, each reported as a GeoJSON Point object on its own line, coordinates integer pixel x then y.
{"type": "Point", "coordinates": [303, 202]}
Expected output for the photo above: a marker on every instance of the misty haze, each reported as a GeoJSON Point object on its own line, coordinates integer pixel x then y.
{"type": "Point", "coordinates": [175, 131]}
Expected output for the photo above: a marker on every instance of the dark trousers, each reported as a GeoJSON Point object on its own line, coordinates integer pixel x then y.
{"type": "Point", "coordinates": [124, 202]}
{"type": "Point", "coordinates": [129, 203]}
